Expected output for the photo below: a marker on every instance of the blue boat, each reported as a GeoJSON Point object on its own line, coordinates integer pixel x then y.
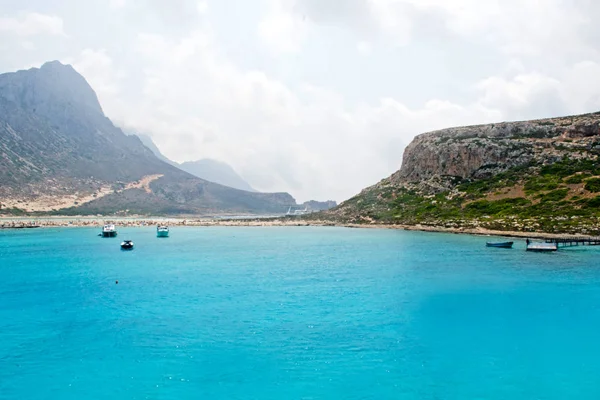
{"type": "Point", "coordinates": [502, 245]}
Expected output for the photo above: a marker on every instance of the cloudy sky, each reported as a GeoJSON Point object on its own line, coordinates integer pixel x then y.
{"type": "Point", "coordinates": [314, 97]}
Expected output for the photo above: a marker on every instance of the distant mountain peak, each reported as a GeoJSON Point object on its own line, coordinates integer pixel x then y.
{"type": "Point", "coordinates": [56, 64]}
{"type": "Point", "coordinates": [149, 143]}
{"type": "Point", "coordinates": [216, 171]}
{"type": "Point", "coordinates": [66, 72]}
{"type": "Point", "coordinates": [208, 169]}
{"type": "Point", "coordinates": [53, 82]}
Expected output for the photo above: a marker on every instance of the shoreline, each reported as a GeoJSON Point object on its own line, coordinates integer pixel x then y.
{"type": "Point", "coordinates": [91, 222]}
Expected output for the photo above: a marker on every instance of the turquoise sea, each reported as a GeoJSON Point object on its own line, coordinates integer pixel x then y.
{"type": "Point", "coordinates": [294, 313]}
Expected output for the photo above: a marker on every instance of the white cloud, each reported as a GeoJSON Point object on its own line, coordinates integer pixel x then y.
{"type": "Point", "coordinates": [363, 48]}
{"type": "Point", "coordinates": [202, 7]}
{"type": "Point", "coordinates": [281, 29]}
{"type": "Point", "coordinates": [117, 4]}
{"type": "Point", "coordinates": [392, 18]}
{"type": "Point", "coordinates": [28, 45]}
{"type": "Point", "coordinates": [526, 95]}
{"type": "Point", "coordinates": [575, 90]}
{"type": "Point", "coordinates": [100, 72]}
{"type": "Point", "coordinates": [305, 139]}
{"type": "Point", "coordinates": [581, 87]}
{"type": "Point", "coordinates": [463, 16]}
{"type": "Point", "coordinates": [516, 27]}
{"type": "Point", "coordinates": [97, 66]}
{"type": "Point", "coordinates": [32, 24]}
{"type": "Point", "coordinates": [365, 18]}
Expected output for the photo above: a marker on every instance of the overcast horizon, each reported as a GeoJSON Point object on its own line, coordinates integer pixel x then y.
{"type": "Point", "coordinates": [317, 98]}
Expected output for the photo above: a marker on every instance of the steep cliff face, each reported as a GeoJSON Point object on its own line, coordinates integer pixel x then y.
{"type": "Point", "coordinates": [53, 91]}
{"type": "Point", "coordinates": [535, 175]}
{"type": "Point", "coordinates": [480, 151]}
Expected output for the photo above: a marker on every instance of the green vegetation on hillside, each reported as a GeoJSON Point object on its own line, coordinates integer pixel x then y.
{"type": "Point", "coordinates": [554, 198]}
{"type": "Point", "coordinates": [592, 185]}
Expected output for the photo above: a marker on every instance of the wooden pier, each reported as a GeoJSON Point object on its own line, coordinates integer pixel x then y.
{"type": "Point", "coordinates": [570, 242]}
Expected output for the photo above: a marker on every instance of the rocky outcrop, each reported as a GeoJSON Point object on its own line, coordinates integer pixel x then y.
{"type": "Point", "coordinates": [314, 205]}
{"type": "Point", "coordinates": [480, 151]}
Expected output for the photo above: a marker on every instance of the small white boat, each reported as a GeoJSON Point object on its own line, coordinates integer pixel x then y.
{"type": "Point", "coordinates": [109, 230]}
{"type": "Point", "coordinates": [162, 231]}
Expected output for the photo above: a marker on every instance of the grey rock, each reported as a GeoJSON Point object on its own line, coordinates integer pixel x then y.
{"type": "Point", "coordinates": [314, 205]}
{"type": "Point", "coordinates": [482, 150]}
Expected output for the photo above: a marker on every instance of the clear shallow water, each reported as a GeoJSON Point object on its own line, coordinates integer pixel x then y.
{"type": "Point", "coordinates": [294, 313]}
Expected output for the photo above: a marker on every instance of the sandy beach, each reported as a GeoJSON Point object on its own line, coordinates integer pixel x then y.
{"type": "Point", "coordinates": [73, 222]}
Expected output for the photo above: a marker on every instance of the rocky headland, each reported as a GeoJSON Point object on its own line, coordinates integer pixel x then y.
{"type": "Point", "coordinates": [532, 176]}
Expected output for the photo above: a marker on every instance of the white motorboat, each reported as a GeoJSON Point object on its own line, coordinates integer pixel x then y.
{"type": "Point", "coordinates": [162, 231]}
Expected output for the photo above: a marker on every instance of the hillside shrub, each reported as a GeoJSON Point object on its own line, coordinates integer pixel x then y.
{"type": "Point", "coordinates": [577, 179]}
{"type": "Point", "coordinates": [555, 195]}
{"type": "Point", "coordinates": [542, 183]}
{"type": "Point", "coordinates": [504, 206]}
{"type": "Point", "coordinates": [595, 202]}
{"type": "Point", "coordinates": [593, 185]}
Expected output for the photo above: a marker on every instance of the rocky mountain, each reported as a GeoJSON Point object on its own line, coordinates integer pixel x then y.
{"type": "Point", "coordinates": [59, 153]}
{"type": "Point", "coordinates": [216, 171]}
{"type": "Point", "coordinates": [525, 176]}
{"type": "Point", "coordinates": [207, 169]}
{"type": "Point", "coordinates": [147, 141]}
{"type": "Point", "coordinates": [314, 205]}
{"type": "Point", "coordinates": [221, 173]}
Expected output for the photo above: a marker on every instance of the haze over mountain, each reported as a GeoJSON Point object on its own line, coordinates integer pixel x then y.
{"type": "Point", "coordinates": [222, 173]}
{"type": "Point", "coordinates": [317, 98]}
{"type": "Point", "coordinates": [60, 152]}
{"type": "Point", "coordinates": [210, 170]}
{"type": "Point", "coordinates": [147, 141]}
{"type": "Point", "coordinates": [216, 171]}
